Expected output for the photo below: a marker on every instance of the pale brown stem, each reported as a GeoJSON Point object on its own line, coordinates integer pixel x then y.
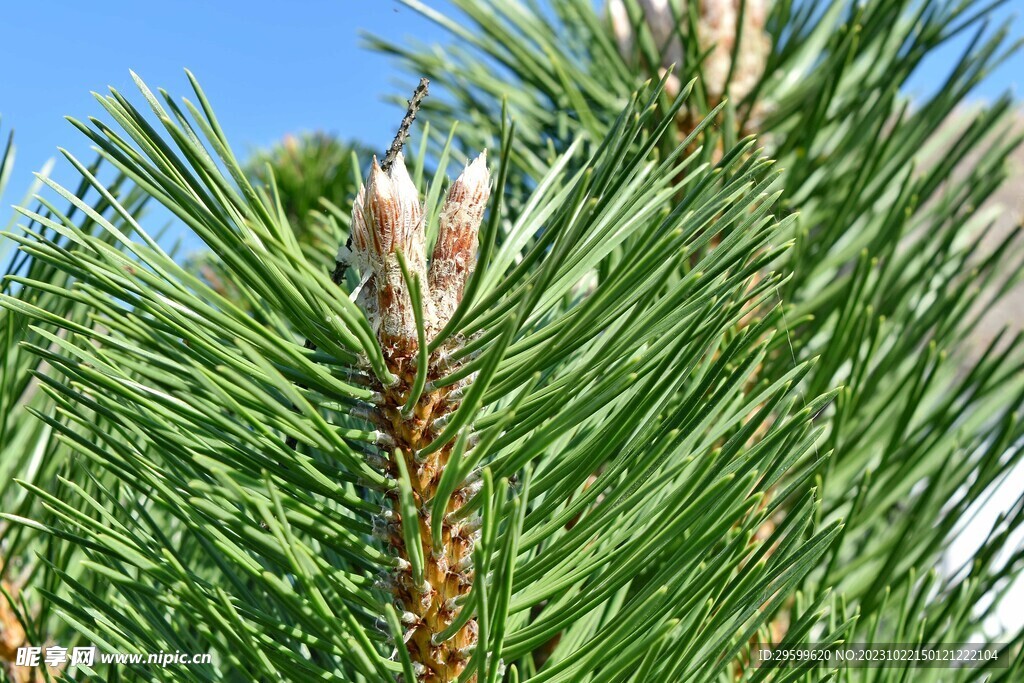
{"type": "Point", "coordinates": [448, 573]}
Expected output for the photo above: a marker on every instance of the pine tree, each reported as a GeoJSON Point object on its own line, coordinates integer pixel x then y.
{"type": "Point", "coordinates": [624, 401]}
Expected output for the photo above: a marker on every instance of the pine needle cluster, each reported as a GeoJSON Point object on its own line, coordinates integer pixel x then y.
{"type": "Point", "coordinates": [677, 371]}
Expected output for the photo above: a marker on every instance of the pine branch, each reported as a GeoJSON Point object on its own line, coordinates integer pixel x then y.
{"type": "Point", "coordinates": [662, 405]}
{"type": "Point", "coordinates": [342, 263]}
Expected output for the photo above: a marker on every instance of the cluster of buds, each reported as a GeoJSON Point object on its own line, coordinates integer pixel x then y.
{"type": "Point", "coordinates": [388, 228]}
{"type": "Point", "coordinates": [388, 219]}
{"type": "Point", "coordinates": [718, 28]}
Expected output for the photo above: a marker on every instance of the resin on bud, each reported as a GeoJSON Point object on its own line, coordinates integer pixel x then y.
{"type": "Point", "coordinates": [454, 256]}
{"type": "Point", "coordinates": [387, 218]}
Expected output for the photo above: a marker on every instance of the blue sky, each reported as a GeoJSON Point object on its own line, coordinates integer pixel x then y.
{"type": "Point", "coordinates": [269, 67]}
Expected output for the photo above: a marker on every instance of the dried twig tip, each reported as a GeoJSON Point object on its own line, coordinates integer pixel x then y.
{"type": "Point", "coordinates": [415, 102]}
